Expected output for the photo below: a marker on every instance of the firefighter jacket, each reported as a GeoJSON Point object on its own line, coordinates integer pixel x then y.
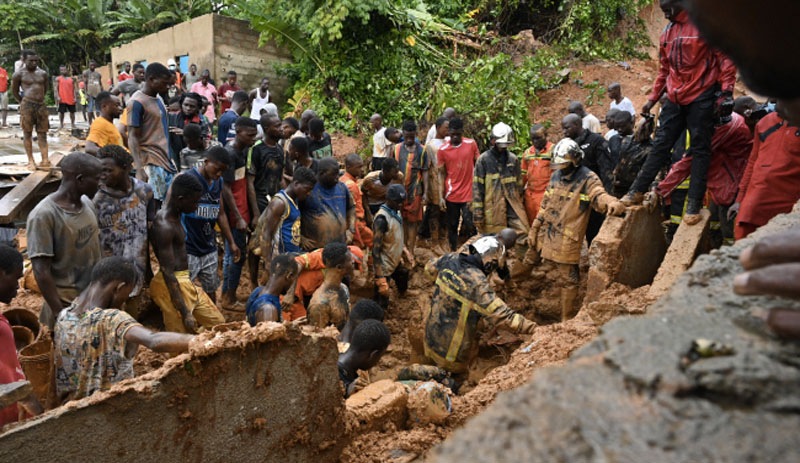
{"type": "Point", "coordinates": [560, 227]}
{"type": "Point", "coordinates": [461, 297]}
{"type": "Point", "coordinates": [497, 185]}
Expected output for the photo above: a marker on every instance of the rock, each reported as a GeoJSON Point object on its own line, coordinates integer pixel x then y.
{"type": "Point", "coordinates": [378, 405]}
{"type": "Point", "coordinates": [627, 396]}
{"type": "Point", "coordinates": [619, 254]}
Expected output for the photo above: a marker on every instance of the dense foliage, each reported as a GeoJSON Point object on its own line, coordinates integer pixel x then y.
{"type": "Point", "coordinates": [409, 60]}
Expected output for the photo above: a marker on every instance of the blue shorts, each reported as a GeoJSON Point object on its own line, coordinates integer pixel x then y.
{"type": "Point", "coordinates": [91, 104]}
{"type": "Point", "coordinates": [159, 179]}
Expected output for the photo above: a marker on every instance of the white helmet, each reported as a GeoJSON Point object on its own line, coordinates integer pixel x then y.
{"type": "Point", "coordinates": [171, 63]}
{"type": "Point", "coordinates": [566, 152]}
{"type": "Point", "coordinates": [492, 252]}
{"type": "Point", "coordinates": [502, 134]}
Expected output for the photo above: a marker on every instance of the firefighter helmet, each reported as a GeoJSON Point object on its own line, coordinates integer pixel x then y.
{"type": "Point", "coordinates": [492, 252]}
{"type": "Point", "coordinates": [503, 135]}
{"type": "Point", "coordinates": [566, 152]}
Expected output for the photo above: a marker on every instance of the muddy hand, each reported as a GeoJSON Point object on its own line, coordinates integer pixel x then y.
{"type": "Point", "coordinates": [190, 323]}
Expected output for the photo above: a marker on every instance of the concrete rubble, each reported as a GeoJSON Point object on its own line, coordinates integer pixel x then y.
{"type": "Point", "coordinates": [689, 242]}
{"type": "Point", "coordinates": [634, 393]}
{"type": "Point", "coordinates": [269, 393]}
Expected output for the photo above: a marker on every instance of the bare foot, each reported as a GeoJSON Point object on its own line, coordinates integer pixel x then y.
{"type": "Point", "coordinates": [31, 166]}
{"type": "Point", "coordinates": [44, 165]}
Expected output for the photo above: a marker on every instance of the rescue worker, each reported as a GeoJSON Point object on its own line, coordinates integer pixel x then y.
{"type": "Point", "coordinates": [769, 185]}
{"type": "Point", "coordinates": [536, 170]}
{"type": "Point", "coordinates": [388, 247]}
{"type": "Point", "coordinates": [497, 187]}
{"type": "Point", "coordinates": [461, 297]}
{"type": "Point", "coordinates": [557, 233]}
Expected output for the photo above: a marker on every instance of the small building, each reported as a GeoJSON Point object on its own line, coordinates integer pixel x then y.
{"type": "Point", "coordinates": [213, 42]}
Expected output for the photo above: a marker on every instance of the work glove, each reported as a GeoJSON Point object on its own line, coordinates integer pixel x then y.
{"type": "Point", "coordinates": [616, 208]}
{"type": "Point", "coordinates": [383, 286]}
{"type": "Point", "coordinates": [733, 211]}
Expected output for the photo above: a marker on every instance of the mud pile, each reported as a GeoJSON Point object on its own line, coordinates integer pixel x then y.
{"type": "Point", "coordinates": [631, 394]}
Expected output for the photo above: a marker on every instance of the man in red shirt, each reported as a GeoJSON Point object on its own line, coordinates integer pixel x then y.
{"type": "Point", "coordinates": [770, 184]}
{"type": "Point", "coordinates": [3, 95]}
{"type": "Point", "coordinates": [696, 79]}
{"type": "Point", "coordinates": [456, 162]}
{"type": "Point", "coordinates": [125, 73]}
{"type": "Point", "coordinates": [65, 91]}
{"type": "Point", "coordinates": [227, 90]}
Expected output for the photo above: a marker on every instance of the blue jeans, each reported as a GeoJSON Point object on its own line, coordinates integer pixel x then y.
{"type": "Point", "coordinates": [232, 270]}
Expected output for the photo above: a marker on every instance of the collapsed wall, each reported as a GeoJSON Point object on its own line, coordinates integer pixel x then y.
{"type": "Point", "coordinates": [268, 393]}
{"type": "Point", "coordinates": [637, 392]}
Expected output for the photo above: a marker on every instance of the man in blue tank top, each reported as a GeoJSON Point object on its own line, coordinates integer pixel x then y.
{"type": "Point", "coordinates": [278, 229]}
{"type": "Point", "coordinates": [201, 237]}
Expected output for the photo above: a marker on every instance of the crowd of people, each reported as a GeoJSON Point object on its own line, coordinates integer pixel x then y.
{"type": "Point", "coordinates": [179, 173]}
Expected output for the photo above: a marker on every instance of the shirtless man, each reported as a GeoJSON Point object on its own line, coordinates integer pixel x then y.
{"type": "Point", "coordinates": [32, 108]}
{"type": "Point", "coordinates": [182, 304]}
{"type": "Point", "coordinates": [330, 304]}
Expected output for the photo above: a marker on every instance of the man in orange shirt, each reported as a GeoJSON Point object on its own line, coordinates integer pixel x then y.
{"type": "Point", "coordinates": [103, 131]}
{"type": "Point", "coordinates": [65, 91]}
{"type": "Point", "coordinates": [354, 169]}
{"type": "Point", "coordinates": [536, 170]}
{"type": "Point", "coordinates": [3, 95]}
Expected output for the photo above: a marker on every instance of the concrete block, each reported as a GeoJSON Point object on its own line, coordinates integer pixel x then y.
{"type": "Point", "coordinates": [628, 250]}
{"type": "Point", "coordinates": [689, 242]}
{"type": "Point", "coordinates": [377, 406]}
{"type": "Point", "coordinates": [268, 393]}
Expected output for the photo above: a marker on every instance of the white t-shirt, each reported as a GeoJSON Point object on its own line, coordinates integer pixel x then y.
{"type": "Point", "coordinates": [591, 123]}
{"type": "Point", "coordinates": [379, 143]}
{"type": "Point", "coordinates": [624, 105]}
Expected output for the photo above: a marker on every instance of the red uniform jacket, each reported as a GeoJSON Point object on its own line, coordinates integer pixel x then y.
{"type": "Point", "coordinates": [689, 66]}
{"type": "Point", "coordinates": [730, 149]}
{"type": "Point", "coordinates": [770, 185]}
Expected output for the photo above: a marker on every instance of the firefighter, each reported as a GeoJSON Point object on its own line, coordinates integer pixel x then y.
{"type": "Point", "coordinates": [497, 187]}
{"type": "Point", "coordinates": [461, 297]}
{"type": "Point", "coordinates": [559, 229]}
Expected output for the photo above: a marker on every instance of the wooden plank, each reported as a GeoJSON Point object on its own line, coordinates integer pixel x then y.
{"type": "Point", "coordinates": [14, 392]}
{"type": "Point", "coordinates": [15, 200]}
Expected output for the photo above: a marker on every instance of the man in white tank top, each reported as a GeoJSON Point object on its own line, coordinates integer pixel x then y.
{"type": "Point", "coordinates": [259, 98]}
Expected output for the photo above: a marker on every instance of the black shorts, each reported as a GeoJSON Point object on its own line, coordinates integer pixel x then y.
{"type": "Point", "coordinates": [62, 108]}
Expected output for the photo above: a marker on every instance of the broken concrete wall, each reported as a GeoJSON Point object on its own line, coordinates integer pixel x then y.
{"type": "Point", "coordinates": [628, 250]}
{"type": "Point", "coordinates": [269, 393]}
{"type": "Point", "coordinates": [689, 242]}
{"type": "Point", "coordinates": [627, 396]}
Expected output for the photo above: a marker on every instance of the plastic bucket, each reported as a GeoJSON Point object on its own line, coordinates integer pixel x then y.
{"type": "Point", "coordinates": [24, 317]}
{"type": "Point", "coordinates": [23, 337]}
{"type": "Point", "coordinates": [36, 361]}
